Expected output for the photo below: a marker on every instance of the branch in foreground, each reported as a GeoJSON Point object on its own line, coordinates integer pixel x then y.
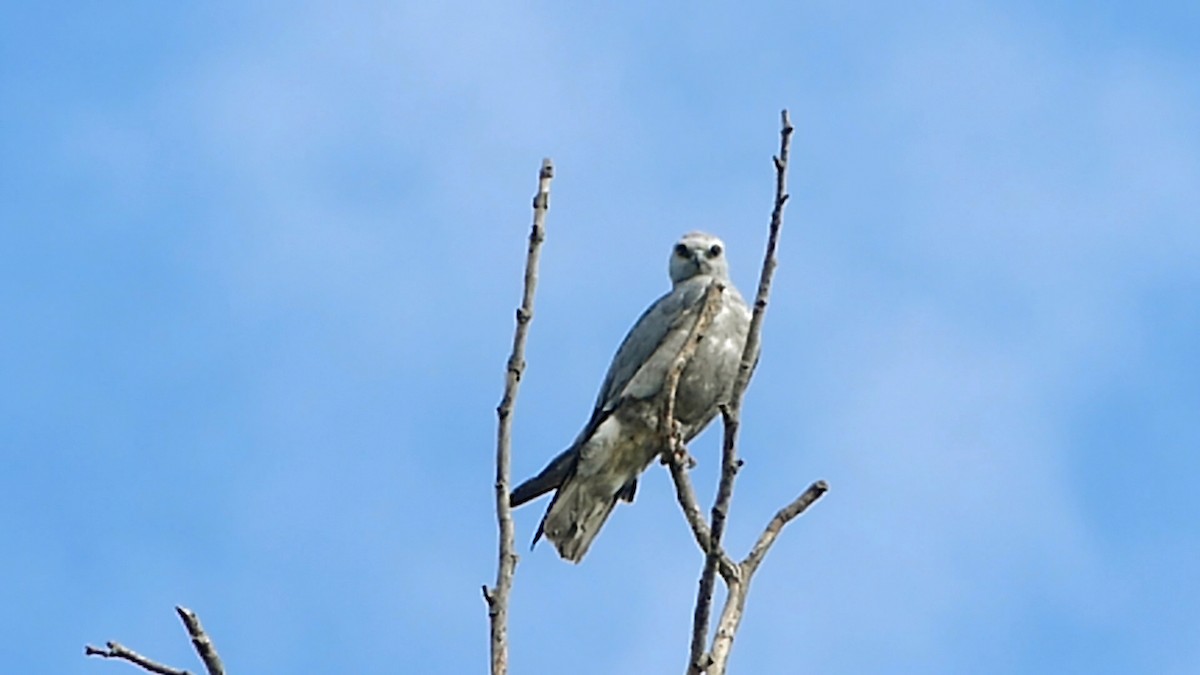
{"type": "Point", "coordinates": [697, 661]}
{"type": "Point", "coordinates": [754, 335]}
{"type": "Point", "coordinates": [674, 453]}
{"type": "Point", "coordinates": [731, 417]}
{"type": "Point", "coordinates": [785, 515]}
{"type": "Point", "coordinates": [735, 601]}
{"type": "Point", "coordinates": [497, 596]}
{"type": "Point", "coordinates": [116, 650]}
{"type": "Point", "coordinates": [736, 576]}
{"type": "Point", "coordinates": [668, 428]}
{"type": "Point", "coordinates": [200, 640]}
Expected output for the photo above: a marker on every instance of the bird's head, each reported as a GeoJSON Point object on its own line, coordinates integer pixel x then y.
{"type": "Point", "coordinates": [698, 253]}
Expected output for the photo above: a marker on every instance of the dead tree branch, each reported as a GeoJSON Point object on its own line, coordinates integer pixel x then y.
{"type": "Point", "coordinates": [667, 425]}
{"type": "Point", "coordinates": [200, 640]}
{"type": "Point", "coordinates": [116, 650]}
{"type": "Point", "coordinates": [709, 535]}
{"type": "Point", "coordinates": [785, 515]}
{"type": "Point", "coordinates": [731, 413]}
{"type": "Point", "coordinates": [735, 600]}
{"type": "Point", "coordinates": [497, 595]}
{"type": "Point", "coordinates": [675, 454]}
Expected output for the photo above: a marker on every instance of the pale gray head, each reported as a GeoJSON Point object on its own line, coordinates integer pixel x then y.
{"type": "Point", "coordinates": [698, 253]}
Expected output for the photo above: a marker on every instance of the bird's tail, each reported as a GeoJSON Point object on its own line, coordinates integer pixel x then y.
{"type": "Point", "coordinates": [575, 518]}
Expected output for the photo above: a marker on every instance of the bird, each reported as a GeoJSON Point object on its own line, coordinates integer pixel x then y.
{"type": "Point", "coordinates": [622, 435]}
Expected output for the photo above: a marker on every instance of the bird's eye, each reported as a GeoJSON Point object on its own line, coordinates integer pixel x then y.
{"type": "Point", "coordinates": [681, 250]}
{"type": "Point", "coordinates": [714, 251]}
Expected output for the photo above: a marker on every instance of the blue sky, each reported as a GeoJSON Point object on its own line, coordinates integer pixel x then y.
{"type": "Point", "coordinates": [260, 262]}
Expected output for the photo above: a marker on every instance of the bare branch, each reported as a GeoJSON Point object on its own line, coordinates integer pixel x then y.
{"type": "Point", "coordinates": [116, 650]}
{"type": "Point", "coordinates": [785, 515]}
{"type": "Point", "coordinates": [735, 601]}
{"type": "Point", "coordinates": [754, 336]}
{"type": "Point", "coordinates": [737, 577]}
{"type": "Point", "coordinates": [200, 640]}
{"type": "Point", "coordinates": [674, 453]}
{"type": "Point", "coordinates": [698, 662]}
{"type": "Point", "coordinates": [497, 596]}
{"type": "Point", "coordinates": [685, 494]}
{"type": "Point", "coordinates": [727, 626]}
{"type": "Point", "coordinates": [667, 426]}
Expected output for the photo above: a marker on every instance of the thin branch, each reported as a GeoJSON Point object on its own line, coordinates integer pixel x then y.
{"type": "Point", "coordinates": [685, 494]}
{"type": "Point", "coordinates": [668, 428]}
{"type": "Point", "coordinates": [716, 660]}
{"type": "Point", "coordinates": [785, 515]}
{"type": "Point", "coordinates": [116, 650]}
{"type": "Point", "coordinates": [497, 596]}
{"type": "Point", "coordinates": [754, 335]}
{"type": "Point", "coordinates": [727, 626]}
{"type": "Point", "coordinates": [698, 662]}
{"type": "Point", "coordinates": [735, 600]}
{"type": "Point", "coordinates": [200, 640]}
{"type": "Point", "coordinates": [674, 453]}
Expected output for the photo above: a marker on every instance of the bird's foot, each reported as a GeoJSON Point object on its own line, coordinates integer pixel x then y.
{"type": "Point", "coordinates": [680, 454]}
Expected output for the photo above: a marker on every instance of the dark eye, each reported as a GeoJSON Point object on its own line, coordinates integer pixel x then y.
{"type": "Point", "coordinates": [681, 250]}
{"type": "Point", "coordinates": [714, 251]}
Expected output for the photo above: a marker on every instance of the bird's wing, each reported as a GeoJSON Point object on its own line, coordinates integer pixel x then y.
{"type": "Point", "coordinates": [550, 478]}
{"type": "Point", "coordinates": [637, 370]}
{"type": "Point", "coordinates": [641, 361]}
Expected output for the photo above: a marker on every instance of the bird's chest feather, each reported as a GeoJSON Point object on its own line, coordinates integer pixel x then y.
{"type": "Point", "coordinates": [709, 375]}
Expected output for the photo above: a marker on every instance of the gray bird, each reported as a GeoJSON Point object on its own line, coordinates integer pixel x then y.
{"type": "Point", "coordinates": [621, 438]}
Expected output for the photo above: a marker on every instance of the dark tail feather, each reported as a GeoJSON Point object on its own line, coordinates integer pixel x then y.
{"type": "Point", "coordinates": [550, 478]}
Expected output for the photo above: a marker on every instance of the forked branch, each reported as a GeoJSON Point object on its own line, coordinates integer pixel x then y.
{"type": "Point", "coordinates": [200, 640]}
{"type": "Point", "coordinates": [709, 535]}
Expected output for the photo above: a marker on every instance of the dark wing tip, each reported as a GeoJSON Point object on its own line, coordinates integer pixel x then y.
{"type": "Point", "coordinates": [550, 478]}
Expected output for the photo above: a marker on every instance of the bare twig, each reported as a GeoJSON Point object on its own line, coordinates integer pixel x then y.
{"type": "Point", "coordinates": [698, 661]}
{"type": "Point", "coordinates": [754, 335]}
{"type": "Point", "coordinates": [667, 426]}
{"type": "Point", "coordinates": [735, 601]}
{"type": "Point", "coordinates": [674, 453]}
{"type": "Point", "coordinates": [727, 626]}
{"type": "Point", "coordinates": [737, 577]}
{"type": "Point", "coordinates": [200, 640]}
{"type": "Point", "coordinates": [497, 596]}
{"type": "Point", "coordinates": [116, 650]}
{"type": "Point", "coordinates": [783, 517]}
{"type": "Point", "coordinates": [685, 494]}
